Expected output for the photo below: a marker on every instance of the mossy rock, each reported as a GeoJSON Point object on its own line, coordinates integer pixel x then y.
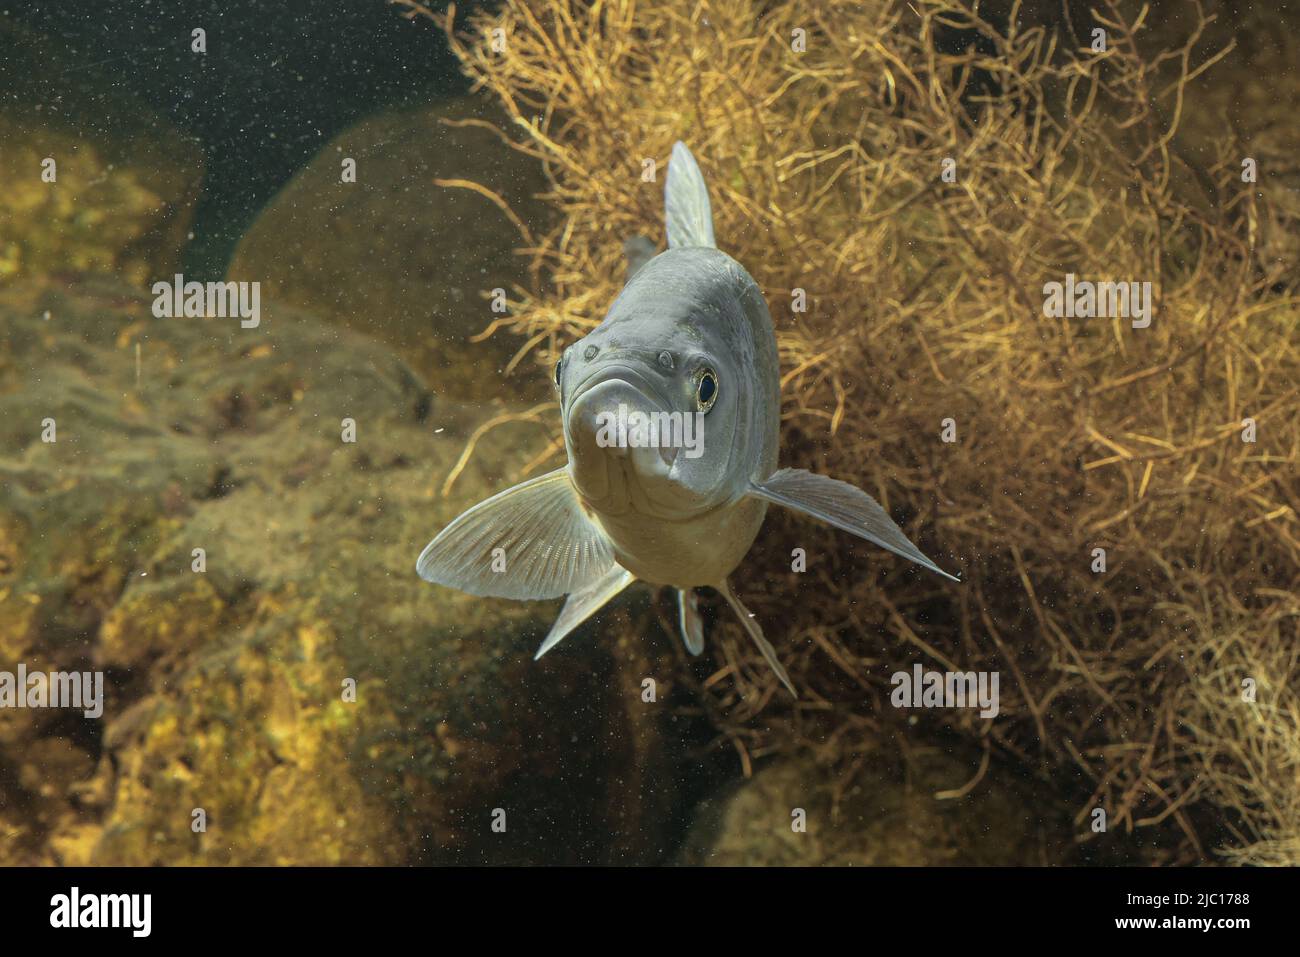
{"type": "Point", "coordinates": [125, 180]}
{"type": "Point", "coordinates": [887, 814]}
{"type": "Point", "coordinates": [225, 687]}
{"type": "Point", "coordinates": [399, 258]}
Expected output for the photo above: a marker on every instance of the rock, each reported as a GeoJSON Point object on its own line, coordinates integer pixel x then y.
{"type": "Point", "coordinates": [399, 258]}
{"type": "Point", "coordinates": [126, 180]}
{"type": "Point", "coordinates": [885, 816]}
{"type": "Point", "coordinates": [224, 688]}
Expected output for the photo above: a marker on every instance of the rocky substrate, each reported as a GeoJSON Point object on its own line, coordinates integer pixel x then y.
{"type": "Point", "coordinates": [226, 687]}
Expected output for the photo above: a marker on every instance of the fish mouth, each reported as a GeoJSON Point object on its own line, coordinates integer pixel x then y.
{"type": "Point", "coordinates": [619, 372]}
{"type": "Point", "coordinates": [627, 491]}
{"type": "Point", "coordinates": [617, 478]}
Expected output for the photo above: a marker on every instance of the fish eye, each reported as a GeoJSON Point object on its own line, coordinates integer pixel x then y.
{"type": "Point", "coordinates": [706, 389]}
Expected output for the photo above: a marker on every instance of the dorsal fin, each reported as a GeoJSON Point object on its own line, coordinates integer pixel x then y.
{"type": "Point", "coordinates": [638, 251]}
{"type": "Point", "coordinates": [686, 202]}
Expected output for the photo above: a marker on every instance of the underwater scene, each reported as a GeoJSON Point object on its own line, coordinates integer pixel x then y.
{"type": "Point", "coordinates": [650, 432]}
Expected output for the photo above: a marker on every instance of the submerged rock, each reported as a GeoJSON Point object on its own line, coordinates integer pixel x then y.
{"type": "Point", "coordinates": [399, 258]}
{"type": "Point", "coordinates": [124, 181]}
{"type": "Point", "coordinates": [886, 815]}
{"type": "Point", "coordinates": [225, 697]}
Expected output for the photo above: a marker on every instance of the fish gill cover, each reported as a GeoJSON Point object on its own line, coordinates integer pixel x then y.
{"type": "Point", "coordinates": [925, 193]}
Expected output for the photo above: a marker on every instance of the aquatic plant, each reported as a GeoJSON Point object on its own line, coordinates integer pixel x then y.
{"type": "Point", "coordinates": [915, 175]}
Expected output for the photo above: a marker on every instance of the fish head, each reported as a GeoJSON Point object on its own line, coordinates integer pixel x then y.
{"type": "Point", "coordinates": [650, 421]}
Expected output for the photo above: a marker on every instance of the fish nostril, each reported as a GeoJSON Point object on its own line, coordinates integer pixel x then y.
{"type": "Point", "coordinates": [589, 353]}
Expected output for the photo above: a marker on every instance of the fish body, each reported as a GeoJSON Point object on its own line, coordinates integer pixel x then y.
{"type": "Point", "coordinates": [671, 413]}
{"type": "Point", "coordinates": [701, 308]}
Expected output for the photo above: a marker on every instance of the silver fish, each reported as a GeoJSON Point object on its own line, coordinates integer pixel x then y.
{"type": "Point", "coordinates": [689, 334]}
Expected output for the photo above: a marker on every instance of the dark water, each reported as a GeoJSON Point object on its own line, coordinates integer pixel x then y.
{"type": "Point", "coordinates": [277, 82]}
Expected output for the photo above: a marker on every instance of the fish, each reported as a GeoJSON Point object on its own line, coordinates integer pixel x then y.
{"type": "Point", "coordinates": [687, 347]}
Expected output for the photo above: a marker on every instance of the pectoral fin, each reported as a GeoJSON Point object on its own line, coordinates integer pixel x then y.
{"type": "Point", "coordinates": [531, 541]}
{"type": "Point", "coordinates": [688, 616]}
{"type": "Point", "coordinates": [756, 633]}
{"type": "Point", "coordinates": [581, 605]}
{"type": "Point", "coordinates": [840, 504]}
